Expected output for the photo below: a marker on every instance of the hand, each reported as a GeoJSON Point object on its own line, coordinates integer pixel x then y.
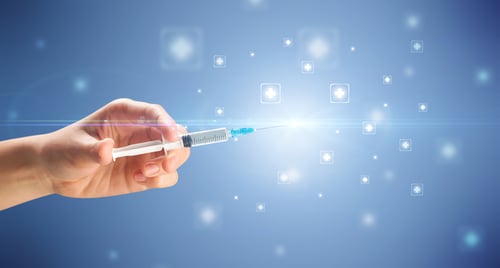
{"type": "Point", "coordinates": [77, 160]}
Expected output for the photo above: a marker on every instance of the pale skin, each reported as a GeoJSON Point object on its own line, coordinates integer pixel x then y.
{"type": "Point", "coordinates": [76, 161]}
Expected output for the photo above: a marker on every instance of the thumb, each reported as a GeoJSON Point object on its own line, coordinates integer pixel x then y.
{"type": "Point", "coordinates": [101, 151]}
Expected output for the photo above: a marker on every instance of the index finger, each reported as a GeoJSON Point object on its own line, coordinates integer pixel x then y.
{"type": "Point", "coordinates": [152, 115]}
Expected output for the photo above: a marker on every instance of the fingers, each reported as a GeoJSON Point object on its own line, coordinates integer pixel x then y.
{"type": "Point", "coordinates": [151, 114]}
{"type": "Point", "coordinates": [159, 172]}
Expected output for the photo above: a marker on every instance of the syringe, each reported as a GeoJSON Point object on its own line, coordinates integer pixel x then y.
{"type": "Point", "coordinates": [192, 139]}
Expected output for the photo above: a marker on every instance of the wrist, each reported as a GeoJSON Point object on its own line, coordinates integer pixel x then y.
{"type": "Point", "coordinates": [22, 176]}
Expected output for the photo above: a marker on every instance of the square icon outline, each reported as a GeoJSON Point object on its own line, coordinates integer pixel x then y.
{"type": "Point", "coordinates": [263, 88]}
{"type": "Point", "coordinates": [334, 86]}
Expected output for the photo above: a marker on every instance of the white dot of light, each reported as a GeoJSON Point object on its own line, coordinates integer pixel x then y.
{"type": "Point", "coordinates": [369, 127]}
{"type": "Point", "coordinates": [417, 189]}
{"type": "Point", "coordinates": [387, 79]}
{"type": "Point", "coordinates": [270, 93]}
{"type": "Point", "coordinates": [280, 251]}
{"type": "Point", "coordinates": [327, 157]}
{"type": "Point", "coordinates": [236, 197]}
{"type": "Point", "coordinates": [375, 157]}
{"type": "Point", "coordinates": [405, 145]}
{"type": "Point", "coordinates": [386, 105]}
{"type": "Point", "coordinates": [365, 180]}
{"type": "Point", "coordinates": [353, 48]}
{"type": "Point", "coordinates": [199, 90]}
{"type": "Point", "coordinates": [261, 207]}
{"type": "Point", "coordinates": [417, 46]}
{"type": "Point", "coordinates": [287, 42]}
{"type": "Point", "coordinates": [307, 67]}
{"type": "Point", "coordinates": [368, 219]}
{"type": "Point", "coordinates": [337, 131]}
{"type": "Point", "coordinates": [318, 48]}
{"type": "Point", "coordinates": [283, 178]}
{"type": "Point", "coordinates": [320, 195]}
{"type": "Point", "coordinates": [219, 61]}
{"type": "Point", "coordinates": [340, 93]}
{"type": "Point", "coordinates": [422, 107]}
{"type": "Point", "coordinates": [219, 111]}
{"type": "Point", "coordinates": [181, 48]}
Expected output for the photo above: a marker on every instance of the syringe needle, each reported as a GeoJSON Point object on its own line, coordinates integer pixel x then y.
{"type": "Point", "coordinates": [278, 126]}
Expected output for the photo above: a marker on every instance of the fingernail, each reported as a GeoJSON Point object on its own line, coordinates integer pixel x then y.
{"type": "Point", "coordinates": [151, 169]}
{"type": "Point", "coordinates": [139, 177]}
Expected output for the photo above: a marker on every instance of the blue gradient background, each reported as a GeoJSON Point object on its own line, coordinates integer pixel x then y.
{"type": "Point", "coordinates": [45, 46]}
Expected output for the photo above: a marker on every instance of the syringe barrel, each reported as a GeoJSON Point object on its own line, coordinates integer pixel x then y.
{"type": "Point", "coordinates": [205, 137]}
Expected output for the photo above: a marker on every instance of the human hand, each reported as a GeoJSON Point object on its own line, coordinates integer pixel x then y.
{"type": "Point", "coordinates": [77, 159]}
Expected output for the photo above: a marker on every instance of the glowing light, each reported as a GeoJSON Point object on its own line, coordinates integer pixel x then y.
{"type": "Point", "coordinates": [284, 178]}
{"type": "Point", "coordinates": [252, 54]}
{"type": "Point", "coordinates": [208, 216]}
{"type": "Point", "coordinates": [417, 189]}
{"type": "Point", "coordinates": [386, 105]}
{"type": "Point", "coordinates": [199, 91]}
{"type": "Point", "coordinates": [483, 76]}
{"type": "Point", "coordinates": [423, 107]}
{"type": "Point", "coordinates": [295, 123]}
{"type": "Point", "coordinates": [318, 48]}
{"type": "Point", "coordinates": [365, 179]}
{"type": "Point", "coordinates": [270, 93]}
{"type": "Point", "coordinates": [369, 128]}
{"type": "Point", "coordinates": [40, 44]}
{"type": "Point", "coordinates": [219, 61]}
{"type": "Point", "coordinates": [368, 219]}
{"type": "Point", "coordinates": [375, 157]}
{"type": "Point", "coordinates": [353, 48]}
{"type": "Point", "coordinates": [113, 255]}
{"type": "Point", "coordinates": [326, 157]}
{"type": "Point", "coordinates": [181, 48]}
{"type": "Point", "coordinates": [417, 46]}
{"type": "Point", "coordinates": [307, 67]}
{"type": "Point", "coordinates": [80, 85]}
{"type": "Point", "coordinates": [320, 195]}
{"type": "Point", "coordinates": [448, 151]}
{"type": "Point", "coordinates": [280, 251]}
{"type": "Point", "coordinates": [236, 198]}
{"type": "Point", "coordinates": [337, 131]}
{"type": "Point", "coordinates": [287, 42]}
{"type": "Point", "coordinates": [413, 22]}
{"type": "Point", "coordinates": [260, 207]}
{"type": "Point", "coordinates": [405, 145]}
{"type": "Point", "coordinates": [339, 92]}
{"type": "Point", "coordinates": [387, 79]}
{"type": "Point", "coordinates": [219, 111]}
